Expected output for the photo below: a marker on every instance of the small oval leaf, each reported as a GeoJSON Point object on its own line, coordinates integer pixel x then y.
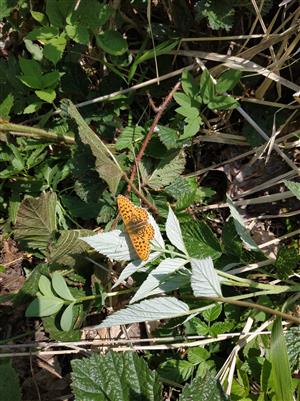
{"type": "Point", "coordinates": [45, 286]}
{"type": "Point", "coordinates": [44, 306]}
{"type": "Point", "coordinates": [66, 320]}
{"type": "Point", "coordinates": [60, 287]}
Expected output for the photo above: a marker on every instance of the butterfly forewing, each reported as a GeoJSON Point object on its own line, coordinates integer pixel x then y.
{"type": "Point", "coordinates": [137, 226]}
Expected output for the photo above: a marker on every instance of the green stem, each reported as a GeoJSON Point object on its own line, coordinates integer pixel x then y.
{"type": "Point", "coordinates": [108, 294]}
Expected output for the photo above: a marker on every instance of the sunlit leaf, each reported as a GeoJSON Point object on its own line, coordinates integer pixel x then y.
{"type": "Point", "coordinates": [205, 280]}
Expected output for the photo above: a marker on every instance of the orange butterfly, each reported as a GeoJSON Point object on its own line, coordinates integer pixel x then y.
{"type": "Point", "coordinates": [136, 223]}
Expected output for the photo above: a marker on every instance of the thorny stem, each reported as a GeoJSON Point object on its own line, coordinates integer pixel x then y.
{"type": "Point", "coordinates": [161, 109]}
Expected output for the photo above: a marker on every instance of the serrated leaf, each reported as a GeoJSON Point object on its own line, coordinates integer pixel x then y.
{"type": "Point", "coordinates": [178, 188]}
{"type": "Point", "coordinates": [200, 240]}
{"type": "Point", "coordinates": [66, 320]}
{"type": "Point", "coordinates": [197, 355]}
{"type": "Point", "coordinates": [168, 136]}
{"type": "Point", "coordinates": [114, 376]}
{"type": "Point", "coordinates": [60, 287]}
{"type": "Point", "coordinates": [203, 389]}
{"type": "Point", "coordinates": [225, 102]}
{"type": "Point", "coordinates": [292, 339]}
{"type": "Point", "coordinates": [175, 370]}
{"type": "Point", "coordinates": [294, 187]}
{"type": "Point", "coordinates": [9, 381]}
{"type": "Point", "coordinates": [191, 127]}
{"type": "Point", "coordinates": [228, 80]}
{"type": "Point", "coordinates": [153, 309]}
{"type": "Point", "coordinates": [189, 85]}
{"type": "Point", "coordinates": [54, 48]}
{"type": "Point", "coordinates": [44, 306]}
{"type": "Point", "coordinates": [36, 221]}
{"type": "Point", "coordinates": [174, 233]}
{"type": "Point", "coordinates": [158, 275]}
{"type": "Point", "coordinates": [45, 286]}
{"type": "Point", "coordinates": [6, 106]}
{"type": "Point", "coordinates": [241, 228]}
{"type": "Point", "coordinates": [105, 167]}
{"type": "Point", "coordinates": [213, 313]}
{"type": "Point", "coordinates": [68, 250]}
{"type": "Point", "coordinates": [207, 87]}
{"type": "Point", "coordinates": [133, 267]}
{"type": "Point", "coordinates": [280, 364]}
{"type": "Point", "coordinates": [48, 94]}
{"type": "Point", "coordinates": [167, 171]}
{"type": "Point", "coordinates": [113, 244]}
{"type": "Point", "coordinates": [205, 280]}
{"type": "Point", "coordinates": [129, 136]}
{"type": "Point", "coordinates": [78, 33]}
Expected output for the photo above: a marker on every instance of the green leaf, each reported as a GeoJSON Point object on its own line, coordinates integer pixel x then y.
{"type": "Point", "coordinates": [6, 7]}
{"type": "Point", "coordinates": [178, 187]}
{"type": "Point", "coordinates": [33, 107]}
{"type": "Point", "coordinates": [200, 240]}
{"type": "Point", "coordinates": [228, 80]}
{"type": "Point", "coordinates": [167, 171]}
{"type": "Point", "coordinates": [153, 309]}
{"type": "Point", "coordinates": [60, 287]}
{"type": "Point", "coordinates": [36, 221]}
{"type": "Point", "coordinates": [53, 12]}
{"type": "Point", "coordinates": [183, 100]}
{"type": "Point", "coordinates": [286, 261]}
{"type": "Point", "coordinates": [129, 136]}
{"type": "Point", "coordinates": [54, 48]}
{"type": "Point", "coordinates": [189, 85]}
{"type": "Point", "coordinates": [93, 16]}
{"type": "Point", "coordinates": [6, 106]}
{"type": "Point", "coordinates": [50, 79]}
{"type": "Point", "coordinates": [176, 370]}
{"type": "Point", "coordinates": [48, 95]}
{"type": "Point", "coordinates": [185, 200]}
{"type": "Point", "coordinates": [241, 228]}
{"type": "Point", "coordinates": [31, 285]}
{"type": "Point", "coordinates": [35, 50]}
{"type": "Point", "coordinates": [191, 128]}
{"type": "Point", "coordinates": [45, 286]}
{"type": "Point", "coordinates": [105, 167]}
{"type": "Point", "coordinates": [294, 187]}
{"type": "Point", "coordinates": [207, 87]}
{"type": "Point", "coordinates": [9, 381]}
{"type": "Point", "coordinates": [220, 14]}
{"type": "Point", "coordinates": [66, 320]}
{"type": "Point", "coordinates": [112, 42]}
{"type": "Point", "coordinates": [78, 33]}
{"type": "Point", "coordinates": [292, 339]}
{"type": "Point", "coordinates": [168, 136]}
{"type": "Point", "coordinates": [223, 103]}
{"type": "Point", "coordinates": [231, 240]}
{"type": "Point", "coordinates": [39, 17]}
{"type": "Point", "coordinates": [43, 34]}
{"type": "Point", "coordinates": [207, 389]}
{"type": "Point", "coordinates": [280, 364]}
{"type": "Point", "coordinates": [44, 306]}
{"type": "Point", "coordinates": [197, 355]}
{"type": "Point", "coordinates": [213, 313]}
{"type": "Point", "coordinates": [115, 376]}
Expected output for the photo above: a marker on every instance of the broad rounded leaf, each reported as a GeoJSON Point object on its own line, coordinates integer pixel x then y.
{"type": "Point", "coordinates": [205, 280]}
{"type": "Point", "coordinates": [115, 376]}
{"type": "Point", "coordinates": [60, 287]}
{"type": "Point", "coordinates": [66, 320]}
{"type": "Point", "coordinates": [174, 233]}
{"type": "Point", "coordinates": [45, 286]}
{"type": "Point", "coordinates": [153, 309]}
{"type": "Point", "coordinates": [44, 306]}
{"type": "Point", "coordinates": [112, 42]}
{"type": "Point", "coordinates": [203, 389]}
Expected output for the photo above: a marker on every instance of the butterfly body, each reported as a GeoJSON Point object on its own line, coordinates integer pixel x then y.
{"type": "Point", "coordinates": [136, 223]}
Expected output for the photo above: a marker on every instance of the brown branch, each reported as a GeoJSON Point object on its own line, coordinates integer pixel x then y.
{"type": "Point", "coordinates": [138, 159]}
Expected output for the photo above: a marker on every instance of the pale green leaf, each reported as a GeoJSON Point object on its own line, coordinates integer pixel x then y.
{"type": "Point", "coordinates": [168, 136]}
{"type": "Point", "coordinates": [66, 320]}
{"type": "Point", "coordinates": [45, 286]}
{"type": "Point", "coordinates": [157, 276]}
{"type": "Point", "coordinates": [241, 228]}
{"type": "Point", "coordinates": [48, 95]}
{"type": "Point", "coordinates": [78, 33]}
{"type": "Point", "coordinates": [148, 310]}
{"type": "Point", "coordinates": [174, 233]}
{"type": "Point", "coordinates": [294, 187]}
{"type": "Point", "coordinates": [60, 287]}
{"type": "Point", "coordinates": [116, 376]}
{"type": "Point", "coordinates": [205, 280]}
{"type": "Point", "coordinates": [129, 136]}
{"type": "Point", "coordinates": [35, 50]}
{"type": "Point", "coordinates": [112, 42]}
{"type": "Point", "coordinates": [6, 106]}
{"type": "Point", "coordinates": [44, 306]}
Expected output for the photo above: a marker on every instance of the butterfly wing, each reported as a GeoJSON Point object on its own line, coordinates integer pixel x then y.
{"type": "Point", "coordinates": [126, 208]}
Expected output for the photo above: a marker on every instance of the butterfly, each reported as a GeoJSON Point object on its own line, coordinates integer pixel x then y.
{"type": "Point", "coordinates": [136, 223]}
